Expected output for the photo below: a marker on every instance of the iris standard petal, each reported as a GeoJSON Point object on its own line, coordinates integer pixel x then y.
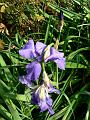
{"type": "Point", "coordinates": [54, 54]}
{"type": "Point", "coordinates": [39, 47]}
{"type": "Point", "coordinates": [28, 51]}
{"type": "Point", "coordinates": [33, 70]}
{"type": "Point", "coordinates": [60, 63]}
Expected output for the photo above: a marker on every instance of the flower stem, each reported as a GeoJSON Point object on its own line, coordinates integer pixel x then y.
{"type": "Point", "coordinates": [56, 65]}
{"type": "Point", "coordinates": [43, 66]}
{"type": "Point", "coordinates": [57, 75]}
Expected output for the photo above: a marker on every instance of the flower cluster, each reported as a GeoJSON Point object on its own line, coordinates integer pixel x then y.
{"type": "Point", "coordinates": [40, 53]}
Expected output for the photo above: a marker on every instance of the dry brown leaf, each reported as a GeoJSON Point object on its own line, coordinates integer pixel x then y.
{"type": "Point", "coordinates": [3, 29]}
{"type": "Point", "coordinates": [2, 44]}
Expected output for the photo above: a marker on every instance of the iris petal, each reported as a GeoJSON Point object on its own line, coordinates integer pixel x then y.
{"type": "Point", "coordinates": [52, 89]}
{"type": "Point", "coordinates": [28, 51]}
{"type": "Point", "coordinates": [51, 110]}
{"type": "Point", "coordinates": [33, 70]}
{"type": "Point", "coordinates": [54, 54]}
{"type": "Point", "coordinates": [25, 80]}
{"type": "Point", "coordinates": [60, 63]}
{"type": "Point", "coordinates": [39, 47]}
{"type": "Point", "coordinates": [35, 98]}
{"type": "Point", "coordinates": [43, 105]}
{"type": "Point", "coordinates": [57, 57]}
{"type": "Point", "coordinates": [49, 101]}
{"type": "Point", "coordinates": [44, 102]}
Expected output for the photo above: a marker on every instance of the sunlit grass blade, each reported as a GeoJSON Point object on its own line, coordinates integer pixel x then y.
{"type": "Point", "coordinates": [13, 110]}
{"type": "Point", "coordinates": [6, 70]}
{"type": "Point", "coordinates": [5, 113]}
{"type": "Point", "coordinates": [74, 65]}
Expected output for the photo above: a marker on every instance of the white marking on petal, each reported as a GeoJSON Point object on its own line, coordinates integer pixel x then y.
{"type": "Point", "coordinates": [47, 52]}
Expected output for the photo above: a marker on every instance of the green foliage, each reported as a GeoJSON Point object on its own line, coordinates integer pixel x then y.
{"type": "Point", "coordinates": [39, 20]}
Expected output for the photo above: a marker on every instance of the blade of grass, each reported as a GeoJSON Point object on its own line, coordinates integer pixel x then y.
{"type": "Point", "coordinates": [47, 31]}
{"type": "Point", "coordinates": [73, 54]}
{"type": "Point", "coordinates": [8, 74]}
{"type": "Point", "coordinates": [74, 65]}
{"type": "Point", "coordinates": [13, 110]}
{"type": "Point", "coordinates": [5, 113]}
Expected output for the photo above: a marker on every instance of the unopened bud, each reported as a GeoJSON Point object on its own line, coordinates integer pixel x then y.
{"type": "Point", "coordinates": [46, 79]}
{"type": "Point", "coordinates": [47, 52]}
{"type": "Point", "coordinates": [56, 44]}
{"type": "Point", "coordinates": [61, 17]}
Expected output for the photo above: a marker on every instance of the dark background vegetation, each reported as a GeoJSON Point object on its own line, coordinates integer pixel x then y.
{"type": "Point", "coordinates": [39, 20]}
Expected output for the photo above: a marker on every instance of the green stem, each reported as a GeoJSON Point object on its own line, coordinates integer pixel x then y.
{"type": "Point", "coordinates": [57, 75]}
{"type": "Point", "coordinates": [43, 66]}
{"type": "Point", "coordinates": [59, 36]}
{"type": "Point", "coordinates": [47, 31]}
{"type": "Point", "coordinates": [57, 66]}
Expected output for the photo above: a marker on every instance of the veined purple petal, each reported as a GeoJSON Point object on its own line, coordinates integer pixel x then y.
{"type": "Point", "coordinates": [33, 70]}
{"type": "Point", "coordinates": [25, 80]}
{"type": "Point", "coordinates": [51, 110]}
{"type": "Point", "coordinates": [60, 63]}
{"type": "Point", "coordinates": [39, 58]}
{"type": "Point", "coordinates": [35, 98]}
{"type": "Point", "coordinates": [49, 101]}
{"type": "Point", "coordinates": [52, 89]}
{"type": "Point", "coordinates": [42, 99]}
{"type": "Point", "coordinates": [39, 47]}
{"type": "Point", "coordinates": [46, 105]}
{"type": "Point", "coordinates": [28, 51]}
{"type": "Point", "coordinates": [54, 54]}
{"type": "Point", "coordinates": [43, 105]}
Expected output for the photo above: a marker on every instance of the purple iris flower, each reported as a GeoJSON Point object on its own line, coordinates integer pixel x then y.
{"type": "Point", "coordinates": [43, 99]}
{"type": "Point", "coordinates": [33, 69]}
